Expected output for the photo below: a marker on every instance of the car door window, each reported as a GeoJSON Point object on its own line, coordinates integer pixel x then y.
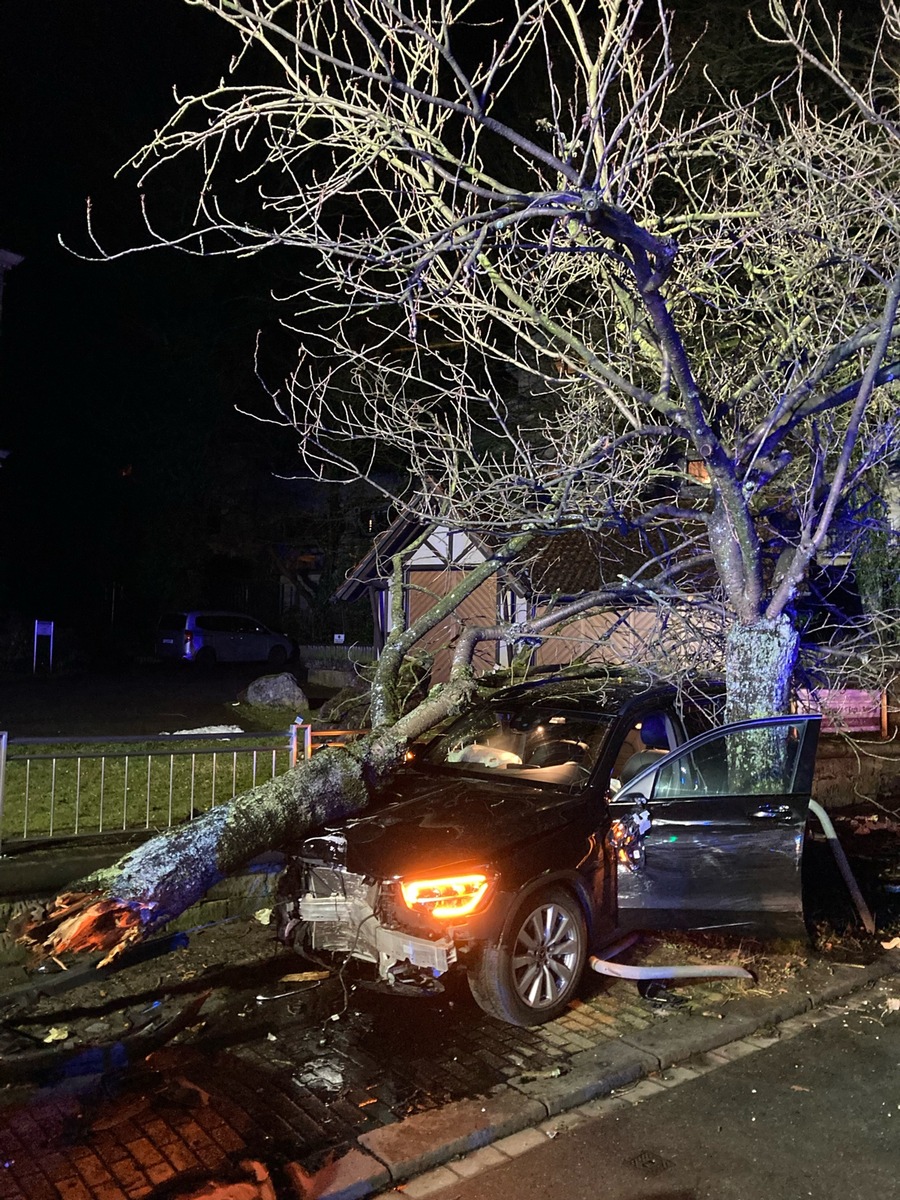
{"type": "Point", "coordinates": [650, 738]}
{"type": "Point", "coordinates": [759, 760]}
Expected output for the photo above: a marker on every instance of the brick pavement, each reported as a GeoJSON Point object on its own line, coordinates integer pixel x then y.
{"type": "Point", "coordinates": [284, 1093]}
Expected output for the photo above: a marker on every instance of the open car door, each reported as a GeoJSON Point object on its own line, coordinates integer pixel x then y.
{"type": "Point", "coordinates": [710, 837]}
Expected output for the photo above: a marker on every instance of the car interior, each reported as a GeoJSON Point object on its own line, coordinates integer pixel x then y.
{"type": "Point", "coordinates": [652, 738]}
{"type": "Point", "coordinates": [557, 749]}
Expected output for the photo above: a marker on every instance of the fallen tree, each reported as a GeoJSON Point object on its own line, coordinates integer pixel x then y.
{"type": "Point", "coordinates": [117, 906]}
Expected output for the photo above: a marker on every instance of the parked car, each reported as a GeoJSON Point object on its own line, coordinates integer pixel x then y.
{"type": "Point", "coordinates": [208, 637]}
{"type": "Point", "coordinates": [544, 824]}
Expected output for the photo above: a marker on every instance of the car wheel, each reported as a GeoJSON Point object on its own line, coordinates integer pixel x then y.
{"type": "Point", "coordinates": [531, 974]}
{"type": "Point", "coordinates": [205, 656]}
{"type": "Point", "coordinates": [277, 656]}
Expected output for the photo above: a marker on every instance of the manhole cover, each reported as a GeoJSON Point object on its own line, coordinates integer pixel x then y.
{"type": "Point", "coordinates": [649, 1163]}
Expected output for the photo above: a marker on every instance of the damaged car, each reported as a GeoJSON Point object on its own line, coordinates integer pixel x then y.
{"type": "Point", "coordinates": [538, 828]}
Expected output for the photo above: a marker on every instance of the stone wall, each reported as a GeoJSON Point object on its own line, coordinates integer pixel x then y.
{"type": "Point", "coordinates": [848, 774]}
{"type": "Point", "coordinates": [240, 895]}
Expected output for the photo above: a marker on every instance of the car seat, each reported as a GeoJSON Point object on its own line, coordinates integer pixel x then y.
{"type": "Point", "coordinates": [655, 739]}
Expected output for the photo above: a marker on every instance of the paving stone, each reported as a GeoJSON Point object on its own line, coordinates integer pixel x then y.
{"type": "Point", "coordinates": [181, 1158]}
{"type": "Point", "coordinates": [158, 1131]}
{"type": "Point", "coordinates": [577, 1042]}
{"type": "Point", "coordinates": [739, 1049]}
{"type": "Point", "coordinates": [108, 1148]}
{"type": "Point", "coordinates": [796, 1025]}
{"type": "Point", "coordinates": [477, 1161]}
{"type": "Point", "coordinates": [144, 1152]}
{"type": "Point", "coordinates": [127, 1174]}
{"type": "Point", "coordinates": [644, 1090]}
{"type": "Point", "coordinates": [673, 1076]}
{"type": "Point", "coordinates": [92, 1171]}
{"type": "Point", "coordinates": [432, 1181]}
{"type": "Point", "coordinates": [227, 1139]}
{"type": "Point", "coordinates": [109, 1191]}
{"type": "Point", "coordinates": [562, 1123]}
{"type": "Point", "coordinates": [73, 1189]}
{"type": "Point", "coordinates": [520, 1143]}
{"type": "Point", "coordinates": [603, 1106]}
{"type": "Point", "coordinates": [762, 1041]}
{"type": "Point", "coordinates": [160, 1172]}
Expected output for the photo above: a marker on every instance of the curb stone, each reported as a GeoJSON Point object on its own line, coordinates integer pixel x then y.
{"type": "Point", "coordinates": [592, 1073]}
{"type": "Point", "coordinates": [353, 1176]}
{"type": "Point", "coordinates": [428, 1139]}
{"type": "Point", "coordinates": [414, 1146]}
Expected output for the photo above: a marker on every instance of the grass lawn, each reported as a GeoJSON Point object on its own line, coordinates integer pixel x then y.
{"type": "Point", "coordinates": [90, 787]}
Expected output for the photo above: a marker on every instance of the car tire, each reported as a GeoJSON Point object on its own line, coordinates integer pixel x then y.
{"type": "Point", "coordinates": [531, 975]}
{"type": "Point", "coordinates": [278, 656]}
{"type": "Point", "coordinates": [205, 656]}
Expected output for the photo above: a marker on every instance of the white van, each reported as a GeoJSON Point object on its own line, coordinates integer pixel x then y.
{"type": "Point", "coordinates": [210, 636]}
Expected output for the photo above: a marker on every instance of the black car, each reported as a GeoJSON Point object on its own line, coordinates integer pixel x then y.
{"type": "Point", "coordinates": [539, 827]}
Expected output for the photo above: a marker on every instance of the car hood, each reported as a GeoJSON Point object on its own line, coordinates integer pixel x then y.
{"type": "Point", "coordinates": [425, 824]}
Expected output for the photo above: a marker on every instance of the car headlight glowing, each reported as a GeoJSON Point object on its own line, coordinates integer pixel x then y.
{"type": "Point", "coordinates": [455, 896]}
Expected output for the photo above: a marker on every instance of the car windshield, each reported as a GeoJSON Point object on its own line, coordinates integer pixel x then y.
{"type": "Point", "coordinates": [543, 745]}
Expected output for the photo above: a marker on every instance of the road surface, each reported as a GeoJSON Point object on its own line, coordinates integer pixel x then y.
{"type": "Point", "coordinates": [816, 1114]}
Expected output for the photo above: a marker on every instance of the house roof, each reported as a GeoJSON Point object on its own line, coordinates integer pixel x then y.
{"type": "Point", "coordinates": [371, 570]}
{"type": "Point", "coordinates": [565, 564]}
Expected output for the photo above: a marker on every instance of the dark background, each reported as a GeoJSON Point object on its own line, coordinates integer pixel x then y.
{"type": "Point", "coordinates": [131, 483]}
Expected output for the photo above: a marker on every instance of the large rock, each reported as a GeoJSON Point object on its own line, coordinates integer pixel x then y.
{"type": "Point", "coordinates": [275, 691]}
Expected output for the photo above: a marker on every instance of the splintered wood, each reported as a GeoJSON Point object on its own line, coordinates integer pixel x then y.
{"type": "Point", "coordinates": [81, 922]}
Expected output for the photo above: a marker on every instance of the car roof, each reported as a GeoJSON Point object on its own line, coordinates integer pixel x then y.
{"type": "Point", "coordinates": [608, 692]}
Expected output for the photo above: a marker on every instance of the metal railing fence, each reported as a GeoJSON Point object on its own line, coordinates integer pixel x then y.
{"type": "Point", "coordinates": [71, 787]}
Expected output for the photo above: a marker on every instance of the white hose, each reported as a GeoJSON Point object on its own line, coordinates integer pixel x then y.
{"type": "Point", "coordinates": [604, 967]}
{"type": "Point", "coordinates": [843, 865]}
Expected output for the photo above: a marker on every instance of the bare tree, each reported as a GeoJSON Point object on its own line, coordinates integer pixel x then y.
{"type": "Point", "coordinates": [562, 299]}
{"type": "Point", "coordinates": [550, 307]}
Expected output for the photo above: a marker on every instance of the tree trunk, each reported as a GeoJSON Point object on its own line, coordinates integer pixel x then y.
{"type": "Point", "coordinates": [759, 662]}
{"type": "Point", "coordinates": [119, 905]}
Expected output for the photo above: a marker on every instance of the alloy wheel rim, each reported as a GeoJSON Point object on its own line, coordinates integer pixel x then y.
{"type": "Point", "coordinates": [546, 956]}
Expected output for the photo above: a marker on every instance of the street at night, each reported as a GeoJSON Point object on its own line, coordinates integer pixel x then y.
{"type": "Point", "coordinates": [810, 1110]}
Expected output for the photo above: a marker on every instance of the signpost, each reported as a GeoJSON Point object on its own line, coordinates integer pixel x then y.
{"type": "Point", "coordinates": [42, 629]}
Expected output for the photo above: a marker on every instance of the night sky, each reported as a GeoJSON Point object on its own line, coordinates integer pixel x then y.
{"type": "Point", "coordinates": [118, 381]}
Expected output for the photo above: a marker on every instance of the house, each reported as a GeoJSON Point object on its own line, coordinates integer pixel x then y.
{"type": "Point", "coordinates": [562, 567]}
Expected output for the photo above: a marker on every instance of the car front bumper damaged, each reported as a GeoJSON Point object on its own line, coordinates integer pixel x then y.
{"type": "Point", "coordinates": [344, 913]}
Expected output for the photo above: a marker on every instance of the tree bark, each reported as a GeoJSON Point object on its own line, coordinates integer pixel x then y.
{"type": "Point", "coordinates": [759, 662]}
{"type": "Point", "coordinates": [120, 905]}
